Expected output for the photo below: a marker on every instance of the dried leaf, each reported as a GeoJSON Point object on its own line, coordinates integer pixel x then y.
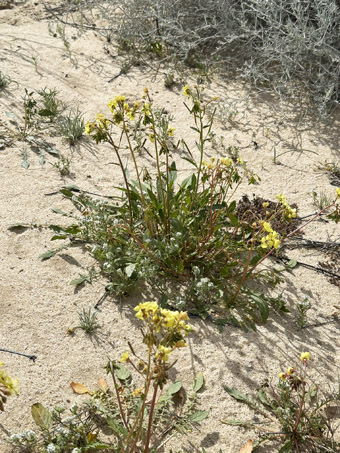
{"type": "Point", "coordinates": [91, 437]}
{"type": "Point", "coordinates": [80, 388]}
{"type": "Point", "coordinates": [102, 384]}
{"type": "Point", "coordinates": [247, 447]}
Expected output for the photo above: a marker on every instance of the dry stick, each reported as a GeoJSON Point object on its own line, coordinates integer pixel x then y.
{"type": "Point", "coordinates": [31, 357]}
{"type": "Point", "coordinates": [318, 269]}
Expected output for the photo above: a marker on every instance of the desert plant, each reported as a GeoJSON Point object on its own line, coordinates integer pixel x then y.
{"type": "Point", "coordinates": [321, 200]}
{"type": "Point", "coordinates": [161, 231]}
{"type": "Point", "coordinates": [299, 409]}
{"type": "Point", "coordinates": [302, 308]}
{"type": "Point", "coordinates": [88, 320]}
{"type": "Point", "coordinates": [139, 415]}
{"type": "Point", "coordinates": [51, 107]}
{"type": "Point", "coordinates": [63, 165]}
{"type": "Point", "coordinates": [5, 80]}
{"type": "Point", "coordinates": [71, 126]}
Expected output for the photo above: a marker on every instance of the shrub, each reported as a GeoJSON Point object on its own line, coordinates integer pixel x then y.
{"type": "Point", "coordinates": [284, 46]}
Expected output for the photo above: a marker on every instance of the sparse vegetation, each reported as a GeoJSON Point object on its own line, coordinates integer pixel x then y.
{"type": "Point", "coordinates": [296, 404]}
{"type": "Point", "coordinates": [185, 221]}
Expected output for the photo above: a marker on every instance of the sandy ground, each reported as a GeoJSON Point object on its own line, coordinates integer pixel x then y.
{"type": "Point", "coordinates": [37, 303]}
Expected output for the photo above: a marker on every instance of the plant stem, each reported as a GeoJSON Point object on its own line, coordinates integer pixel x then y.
{"type": "Point", "coordinates": [244, 275]}
{"type": "Point", "coordinates": [153, 404]}
{"type": "Point", "coordinates": [134, 161]}
{"type": "Point", "coordinates": [122, 414]}
{"type": "Point", "coordinates": [115, 147]}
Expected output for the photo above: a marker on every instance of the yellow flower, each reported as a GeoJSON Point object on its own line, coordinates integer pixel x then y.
{"type": "Point", "coordinates": [305, 356]}
{"type": "Point", "coordinates": [170, 131]}
{"type": "Point", "coordinates": [89, 127]}
{"type": "Point", "coordinates": [338, 191]}
{"type": "Point", "coordinates": [265, 205]}
{"type": "Point", "coordinates": [146, 90]}
{"type": "Point", "coordinates": [282, 376]}
{"type": "Point", "coordinates": [12, 384]}
{"type": "Point", "coordinates": [146, 309]}
{"type": "Point", "coordinates": [103, 122]}
{"type": "Point", "coordinates": [186, 91]}
{"type": "Point", "coordinates": [131, 114]}
{"type": "Point", "coordinates": [240, 161]}
{"type": "Point", "coordinates": [267, 227]}
{"type": "Point", "coordinates": [163, 353]}
{"type": "Point", "coordinates": [152, 138]}
{"type": "Point", "coordinates": [226, 161]}
{"type": "Point", "coordinates": [118, 100]}
{"type": "Point", "coordinates": [211, 165]}
{"type": "Point", "coordinates": [290, 370]}
{"type": "Point", "coordinates": [124, 357]}
{"type": "Point", "coordinates": [137, 392]}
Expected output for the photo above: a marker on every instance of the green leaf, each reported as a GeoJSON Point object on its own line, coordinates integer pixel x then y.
{"type": "Point", "coordinates": [47, 255]}
{"type": "Point", "coordinates": [41, 416]}
{"type": "Point", "coordinates": [287, 448]}
{"type": "Point", "coordinates": [174, 388]}
{"type": "Point", "coordinates": [45, 112]}
{"type": "Point", "coordinates": [233, 219]}
{"type": "Point", "coordinates": [81, 279]}
{"type": "Point", "coordinates": [41, 159]}
{"type": "Point", "coordinates": [264, 398]}
{"type": "Point", "coordinates": [122, 372]}
{"type": "Point", "coordinates": [232, 206]}
{"type": "Point", "coordinates": [129, 270]}
{"type": "Point", "coordinates": [116, 427]}
{"type": "Point", "coordinates": [291, 264]}
{"type": "Point", "coordinates": [25, 164]}
{"type": "Point", "coordinates": [17, 226]}
{"type": "Point", "coordinates": [240, 397]}
{"type": "Point", "coordinates": [10, 115]}
{"type": "Point", "coordinates": [235, 422]}
{"type": "Point", "coordinates": [59, 236]}
{"type": "Point", "coordinates": [255, 260]}
{"type": "Point", "coordinates": [198, 382]}
{"type": "Point", "coordinates": [59, 211]}
{"type": "Point", "coordinates": [262, 307]}
{"type": "Point", "coordinates": [198, 416]}
{"type": "Point", "coordinates": [53, 151]}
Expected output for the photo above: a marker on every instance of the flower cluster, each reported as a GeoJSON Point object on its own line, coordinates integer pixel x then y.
{"type": "Point", "coordinates": [226, 162]}
{"type": "Point", "coordinates": [272, 239]}
{"type": "Point", "coordinates": [167, 329]}
{"type": "Point", "coordinates": [288, 212]}
{"type": "Point", "coordinates": [8, 386]}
